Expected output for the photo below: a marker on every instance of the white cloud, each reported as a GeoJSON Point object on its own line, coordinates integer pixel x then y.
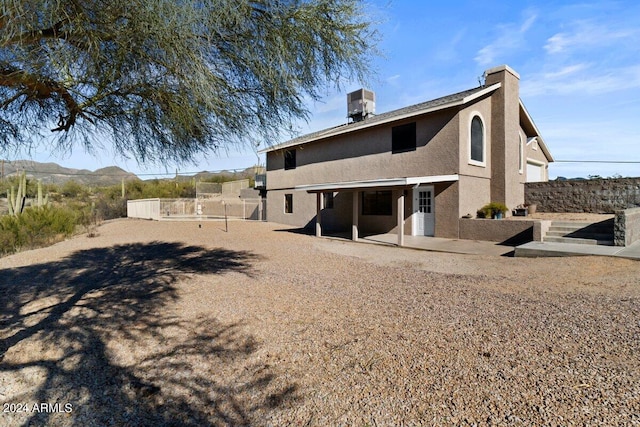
{"type": "Point", "coordinates": [393, 80]}
{"type": "Point", "coordinates": [565, 71]}
{"type": "Point", "coordinates": [509, 39]}
{"type": "Point", "coordinates": [581, 79]}
{"type": "Point", "coordinates": [587, 35]}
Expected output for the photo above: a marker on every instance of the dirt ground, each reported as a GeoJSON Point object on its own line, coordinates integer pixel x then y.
{"type": "Point", "coordinates": [182, 323]}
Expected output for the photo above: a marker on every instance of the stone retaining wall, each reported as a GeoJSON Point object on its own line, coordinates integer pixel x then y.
{"type": "Point", "coordinates": [626, 227]}
{"type": "Point", "coordinates": [589, 195]}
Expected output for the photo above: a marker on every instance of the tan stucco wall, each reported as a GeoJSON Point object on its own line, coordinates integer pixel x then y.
{"type": "Point", "coordinates": [474, 193]}
{"type": "Point", "coordinates": [367, 155]}
{"type": "Point", "coordinates": [338, 218]}
{"type": "Point", "coordinates": [304, 208]}
{"type": "Point", "coordinates": [446, 208]}
{"type": "Point", "coordinates": [507, 231]}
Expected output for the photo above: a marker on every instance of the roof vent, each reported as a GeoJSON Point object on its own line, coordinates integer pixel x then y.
{"type": "Point", "coordinates": [361, 104]}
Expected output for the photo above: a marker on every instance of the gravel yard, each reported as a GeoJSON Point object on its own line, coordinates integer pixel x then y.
{"type": "Point", "coordinates": [167, 323]}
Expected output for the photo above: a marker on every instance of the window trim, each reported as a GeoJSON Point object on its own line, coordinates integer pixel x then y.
{"type": "Point", "coordinates": [474, 162]}
{"type": "Point", "coordinates": [520, 154]}
{"type": "Point", "coordinates": [290, 204]}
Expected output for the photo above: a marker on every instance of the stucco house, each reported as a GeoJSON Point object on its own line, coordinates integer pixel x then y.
{"type": "Point", "coordinates": [413, 171]}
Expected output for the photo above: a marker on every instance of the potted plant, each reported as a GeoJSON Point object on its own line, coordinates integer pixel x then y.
{"type": "Point", "coordinates": [494, 210]}
{"type": "Point", "coordinates": [531, 208]}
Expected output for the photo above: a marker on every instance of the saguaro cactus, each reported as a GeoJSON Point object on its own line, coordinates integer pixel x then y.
{"type": "Point", "coordinates": [17, 201]}
{"type": "Point", "coordinates": [42, 201]}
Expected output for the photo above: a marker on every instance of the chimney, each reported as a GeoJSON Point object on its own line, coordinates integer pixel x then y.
{"type": "Point", "coordinates": [505, 136]}
{"type": "Point", "coordinates": [361, 104]}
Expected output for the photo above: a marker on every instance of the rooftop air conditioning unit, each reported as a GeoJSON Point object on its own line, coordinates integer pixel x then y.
{"type": "Point", "coordinates": [361, 104]}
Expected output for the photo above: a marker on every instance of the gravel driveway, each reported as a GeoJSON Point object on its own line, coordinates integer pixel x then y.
{"type": "Point", "coordinates": [163, 323]}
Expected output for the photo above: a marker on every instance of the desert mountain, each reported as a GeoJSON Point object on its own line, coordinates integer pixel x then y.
{"type": "Point", "coordinates": [54, 173]}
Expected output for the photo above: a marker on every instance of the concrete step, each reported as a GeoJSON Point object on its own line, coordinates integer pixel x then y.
{"type": "Point", "coordinates": [596, 228]}
{"type": "Point", "coordinates": [578, 240]}
{"type": "Point", "coordinates": [571, 224]}
{"type": "Point", "coordinates": [580, 234]}
{"type": "Point", "coordinates": [566, 229]}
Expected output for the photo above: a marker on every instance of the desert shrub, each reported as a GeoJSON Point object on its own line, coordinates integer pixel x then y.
{"type": "Point", "coordinates": [111, 208]}
{"type": "Point", "coordinates": [36, 227]}
{"type": "Point", "coordinates": [491, 209]}
{"type": "Point", "coordinates": [74, 189]}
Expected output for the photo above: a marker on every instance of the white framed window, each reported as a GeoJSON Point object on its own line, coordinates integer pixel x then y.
{"type": "Point", "coordinates": [521, 155]}
{"type": "Point", "coordinates": [477, 141]}
{"type": "Point", "coordinates": [536, 171]}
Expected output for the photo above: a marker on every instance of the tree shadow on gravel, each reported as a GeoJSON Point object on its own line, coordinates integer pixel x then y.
{"type": "Point", "coordinates": [93, 330]}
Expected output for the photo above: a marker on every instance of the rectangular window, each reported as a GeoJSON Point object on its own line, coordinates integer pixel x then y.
{"type": "Point", "coordinates": [328, 200]}
{"type": "Point", "coordinates": [289, 159]}
{"type": "Point", "coordinates": [424, 202]}
{"type": "Point", "coordinates": [403, 138]}
{"type": "Point", "coordinates": [377, 203]}
{"type": "Point", "coordinates": [288, 203]}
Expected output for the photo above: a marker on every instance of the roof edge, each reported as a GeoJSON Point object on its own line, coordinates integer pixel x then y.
{"type": "Point", "coordinates": [541, 142]}
{"type": "Point", "coordinates": [343, 129]}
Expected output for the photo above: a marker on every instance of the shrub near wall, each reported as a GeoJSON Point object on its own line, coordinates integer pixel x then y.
{"type": "Point", "coordinates": [589, 195]}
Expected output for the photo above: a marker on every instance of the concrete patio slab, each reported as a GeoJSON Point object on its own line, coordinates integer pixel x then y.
{"type": "Point", "coordinates": [476, 247]}
{"type": "Point", "coordinates": [437, 244]}
{"type": "Point", "coordinates": [552, 249]}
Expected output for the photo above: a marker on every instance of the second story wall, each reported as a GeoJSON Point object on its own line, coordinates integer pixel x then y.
{"type": "Point", "coordinates": [367, 154]}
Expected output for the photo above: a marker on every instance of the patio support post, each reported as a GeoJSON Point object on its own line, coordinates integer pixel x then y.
{"type": "Point", "coordinates": [319, 214]}
{"type": "Point", "coordinates": [400, 215]}
{"type": "Point", "coordinates": [356, 210]}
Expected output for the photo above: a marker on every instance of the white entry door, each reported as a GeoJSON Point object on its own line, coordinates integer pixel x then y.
{"type": "Point", "coordinates": [423, 212]}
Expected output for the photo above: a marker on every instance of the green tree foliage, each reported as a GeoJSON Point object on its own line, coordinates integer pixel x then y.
{"type": "Point", "coordinates": [166, 79]}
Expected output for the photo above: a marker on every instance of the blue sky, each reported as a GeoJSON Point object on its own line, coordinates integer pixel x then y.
{"type": "Point", "coordinates": [579, 64]}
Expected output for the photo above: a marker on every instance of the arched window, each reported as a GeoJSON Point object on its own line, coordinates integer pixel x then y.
{"type": "Point", "coordinates": [477, 141]}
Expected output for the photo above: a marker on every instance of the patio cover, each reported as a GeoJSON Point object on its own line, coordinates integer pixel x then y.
{"type": "Point", "coordinates": [372, 183]}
